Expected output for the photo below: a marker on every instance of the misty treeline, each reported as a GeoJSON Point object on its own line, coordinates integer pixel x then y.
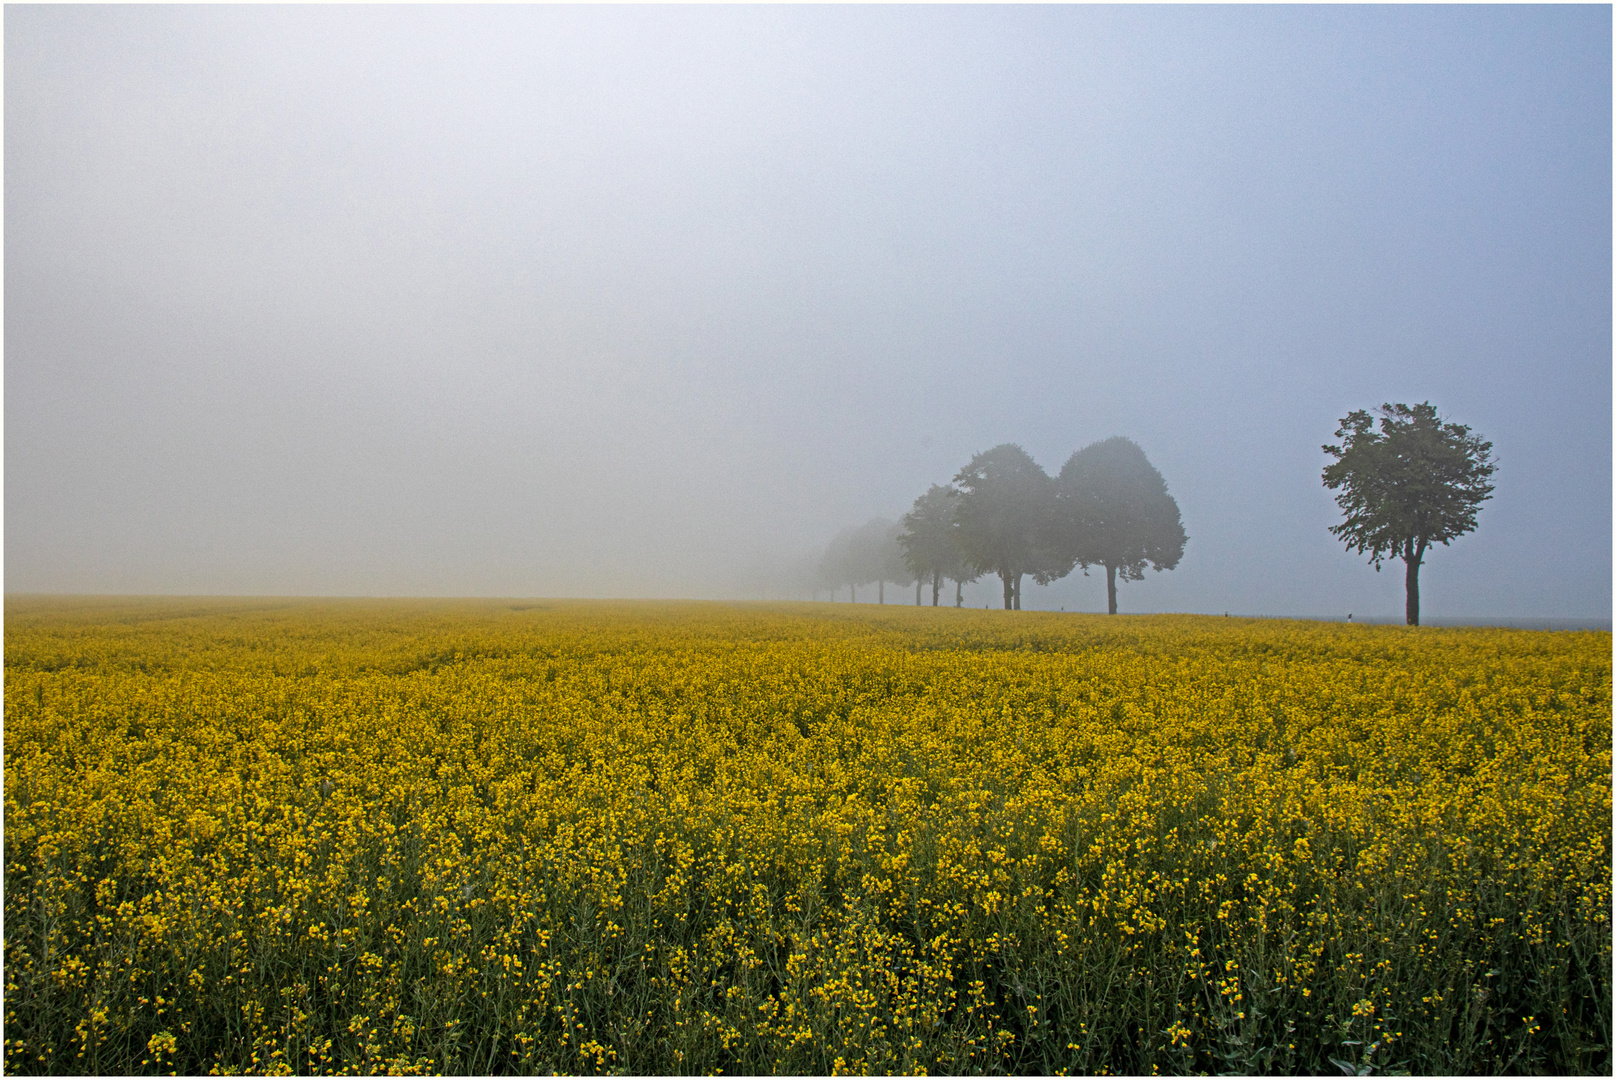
{"type": "Point", "coordinates": [1004, 515]}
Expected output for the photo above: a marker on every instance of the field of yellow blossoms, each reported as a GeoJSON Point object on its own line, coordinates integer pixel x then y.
{"type": "Point", "coordinates": [471, 837]}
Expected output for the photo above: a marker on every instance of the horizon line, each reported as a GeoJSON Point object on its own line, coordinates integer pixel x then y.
{"type": "Point", "coordinates": [1368, 619]}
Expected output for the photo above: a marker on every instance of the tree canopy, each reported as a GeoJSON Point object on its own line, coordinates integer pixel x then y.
{"type": "Point", "coordinates": [930, 542]}
{"type": "Point", "coordinates": [1113, 510]}
{"type": "Point", "coordinates": [844, 564]}
{"type": "Point", "coordinates": [1005, 515]}
{"type": "Point", "coordinates": [1414, 482]}
{"type": "Point", "coordinates": [887, 556]}
{"type": "Point", "coordinates": [866, 555]}
{"type": "Point", "coordinates": [1004, 519]}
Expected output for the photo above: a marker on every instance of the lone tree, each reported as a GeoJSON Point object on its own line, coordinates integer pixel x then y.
{"type": "Point", "coordinates": [1004, 518]}
{"type": "Point", "coordinates": [1114, 511]}
{"type": "Point", "coordinates": [1414, 483]}
{"type": "Point", "coordinates": [930, 545]}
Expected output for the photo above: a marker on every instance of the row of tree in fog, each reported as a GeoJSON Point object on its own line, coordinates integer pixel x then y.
{"type": "Point", "coordinates": [1004, 515]}
{"type": "Point", "coordinates": [1416, 482]}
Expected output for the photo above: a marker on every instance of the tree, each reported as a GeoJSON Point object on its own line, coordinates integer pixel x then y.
{"type": "Point", "coordinates": [1114, 511]}
{"type": "Point", "coordinates": [1003, 519]}
{"type": "Point", "coordinates": [802, 576]}
{"type": "Point", "coordinates": [866, 555]}
{"type": "Point", "coordinates": [1415, 482]}
{"type": "Point", "coordinates": [886, 555]}
{"type": "Point", "coordinates": [844, 563]}
{"type": "Point", "coordinates": [930, 544]}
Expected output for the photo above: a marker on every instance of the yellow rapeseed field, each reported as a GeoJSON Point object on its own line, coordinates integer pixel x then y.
{"type": "Point", "coordinates": [470, 837]}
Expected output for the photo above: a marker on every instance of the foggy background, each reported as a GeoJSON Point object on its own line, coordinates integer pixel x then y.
{"type": "Point", "coordinates": [651, 301]}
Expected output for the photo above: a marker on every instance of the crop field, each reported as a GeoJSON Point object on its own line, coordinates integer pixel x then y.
{"type": "Point", "coordinates": [471, 837]}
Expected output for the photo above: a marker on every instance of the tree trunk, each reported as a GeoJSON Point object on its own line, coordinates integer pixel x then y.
{"type": "Point", "coordinates": [1111, 588]}
{"type": "Point", "coordinates": [959, 593]}
{"type": "Point", "coordinates": [1018, 592]}
{"type": "Point", "coordinates": [936, 585]}
{"type": "Point", "coordinates": [1009, 590]}
{"type": "Point", "coordinates": [1411, 581]}
{"type": "Point", "coordinates": [917, 590]}
{"type": "Point", "coordinates": [881, 591]}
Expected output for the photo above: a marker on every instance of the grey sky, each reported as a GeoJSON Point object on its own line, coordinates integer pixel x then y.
{"type": "Point", "coordinates": [632, 300]}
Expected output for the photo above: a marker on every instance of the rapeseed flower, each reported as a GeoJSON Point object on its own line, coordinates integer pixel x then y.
{"type": "Point", "coordinates": [457, 837]}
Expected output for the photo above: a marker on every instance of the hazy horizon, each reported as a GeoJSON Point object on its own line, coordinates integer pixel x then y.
{"type": "Point", "coordinates": [653, 301]}
{"type": "Point", "coordinates": [222, 603]}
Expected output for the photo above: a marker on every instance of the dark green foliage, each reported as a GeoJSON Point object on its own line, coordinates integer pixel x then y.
{"type": "Point", "coordinates": [1413, 483]}
{"type": "Point", "coordinates": [1005, 519]}
{"type": "Point", "coordinates": [1114, 511]}
{"type": "Point", "coordinates": [930, 540]}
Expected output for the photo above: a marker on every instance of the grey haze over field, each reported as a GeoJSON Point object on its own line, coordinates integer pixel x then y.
{"type": "Point", "coordinates": [642, 301]}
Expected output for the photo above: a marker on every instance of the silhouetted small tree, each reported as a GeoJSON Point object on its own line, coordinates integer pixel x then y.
{"type": "Point", "coordinates": [1004, 519]}
{"type": "Point", "coordinates": [929, 540]}
{"type": "Point", "coordinates": [1415, 482]}
{"type": "Point", "coordinates": [1114, 511]}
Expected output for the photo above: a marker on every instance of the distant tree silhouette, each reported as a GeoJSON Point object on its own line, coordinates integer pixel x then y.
{"type": "Point", "coordinates": [929, 540]}
{"type": "Point", "coordinates": [1415, 482]}
{"type": "Point", "coordinates": [866, 555]}
{"type": "Point", "coordinates": [1004, 519]}
{"type": "Point", "coordinates": [802, 575]}
{"type": "Point", "coordinates": [1114, 511]}
{"type": "Point", "coordinates": [887, 556]}
{"type": "Point", "coordinates": [843, 564]}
